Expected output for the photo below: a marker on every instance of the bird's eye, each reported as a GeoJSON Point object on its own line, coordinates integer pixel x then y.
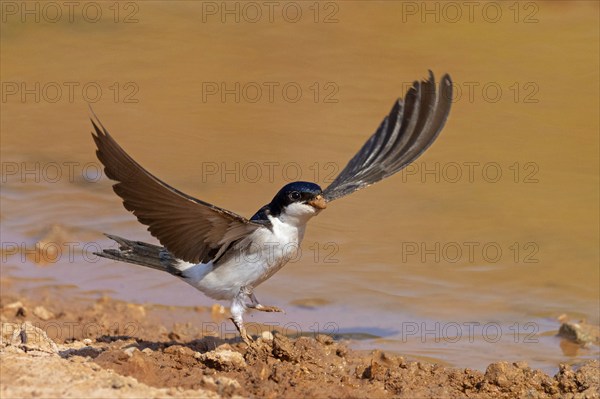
{"type": "Point", "coordinates": [295, 195]}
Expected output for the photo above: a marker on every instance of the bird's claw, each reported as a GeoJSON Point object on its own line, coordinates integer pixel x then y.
{"type": "Point", "coordinates": [246, 338]}
{"type": "Point", "coordinates": [243, 333]}
{"type": "Point", "coordinates": [264, 308]}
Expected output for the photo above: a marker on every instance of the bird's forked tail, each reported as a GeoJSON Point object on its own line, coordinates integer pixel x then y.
{"type": "Point", "coordinates": [141, 253]}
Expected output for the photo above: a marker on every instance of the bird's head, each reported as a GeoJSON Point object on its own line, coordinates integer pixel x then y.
{"type": "Point", "coordinates": [301, 193]}
{"type": "Point", "coordinates": [296, 202]}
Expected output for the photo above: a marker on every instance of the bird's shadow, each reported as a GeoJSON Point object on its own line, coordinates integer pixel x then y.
{"type": "Point", "coordinates": [210, 343]}
{"type": "Point", "coordinates": [202, 345]}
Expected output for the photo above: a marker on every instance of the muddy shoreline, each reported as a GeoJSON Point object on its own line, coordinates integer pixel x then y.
{"type": "Point", "coordinates": [53, 347]}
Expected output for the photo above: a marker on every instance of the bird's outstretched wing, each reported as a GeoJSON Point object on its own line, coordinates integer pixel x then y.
{"type": "Point", "coordinates": [411, 126]}
{"type": "Point", "coordinates": [192, 230]}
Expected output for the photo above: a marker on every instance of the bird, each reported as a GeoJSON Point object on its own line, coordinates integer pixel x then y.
{"type": "Point", "coordinates": [225, 255]}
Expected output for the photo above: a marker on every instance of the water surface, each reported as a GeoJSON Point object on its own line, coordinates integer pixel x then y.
{"type": "Point", "coordinates": [468, 257]}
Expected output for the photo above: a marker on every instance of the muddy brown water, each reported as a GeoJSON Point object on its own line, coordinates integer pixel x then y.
{"type": "Point", "coordinates": [467, 257]}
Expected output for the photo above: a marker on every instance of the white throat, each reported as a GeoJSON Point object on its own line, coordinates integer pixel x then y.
{"type": "Point", "coordinates": [297, 214]}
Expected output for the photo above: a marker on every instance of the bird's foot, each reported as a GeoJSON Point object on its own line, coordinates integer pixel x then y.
{"type": "Point", "coordinates": [264, 308]}
{"type": "Point", "coordinates": [246, 337]}
{"type": "Point", "coordinates": [254, 304]}
{"type": "Point", "coordinates": [243, 333]}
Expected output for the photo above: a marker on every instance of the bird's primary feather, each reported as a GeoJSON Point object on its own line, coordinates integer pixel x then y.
{"type": "Point", "coordinates": [411, 127]}
{"type": "Point", "coordinates": [192, 230]}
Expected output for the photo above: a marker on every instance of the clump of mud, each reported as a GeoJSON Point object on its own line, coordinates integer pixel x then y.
{"type": "Point", "coordinates": [156, 360]}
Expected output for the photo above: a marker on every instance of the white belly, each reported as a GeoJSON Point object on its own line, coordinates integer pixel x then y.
{"type": "Point", "coordinates": [270, 251]}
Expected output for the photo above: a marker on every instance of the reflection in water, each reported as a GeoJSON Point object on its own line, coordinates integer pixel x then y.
{"type": "Point", "coordinates": [495, 226]}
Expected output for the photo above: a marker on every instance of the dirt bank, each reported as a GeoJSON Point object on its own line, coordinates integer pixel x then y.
{"type": "Point", "coordinates": [107, 348]}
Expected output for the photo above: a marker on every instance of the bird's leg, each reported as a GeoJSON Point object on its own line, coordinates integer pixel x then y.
{"type": "Point", "coordinates": [254, 304]}
{"type": "Point", "coordinates": [243, 300]}
{"type": "Point", "coordinates": [238, 307]}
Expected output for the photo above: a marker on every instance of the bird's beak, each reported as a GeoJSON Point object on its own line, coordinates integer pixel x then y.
{"type": "Point", "coordinates": [318, 202]}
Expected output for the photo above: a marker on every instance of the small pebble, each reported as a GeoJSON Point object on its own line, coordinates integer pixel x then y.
{"type": "Point", "coordinates": [14, 305]}
{"type": "Point", "coordinates": [129, 351]}
{"type": "Point", "coordinates": [43, 313]}
{"type": "Point", "coordinates": [266, 336]}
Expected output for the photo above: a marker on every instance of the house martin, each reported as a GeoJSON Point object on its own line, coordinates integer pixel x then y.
{"type": "Point", "coordinates": [225, 255]}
